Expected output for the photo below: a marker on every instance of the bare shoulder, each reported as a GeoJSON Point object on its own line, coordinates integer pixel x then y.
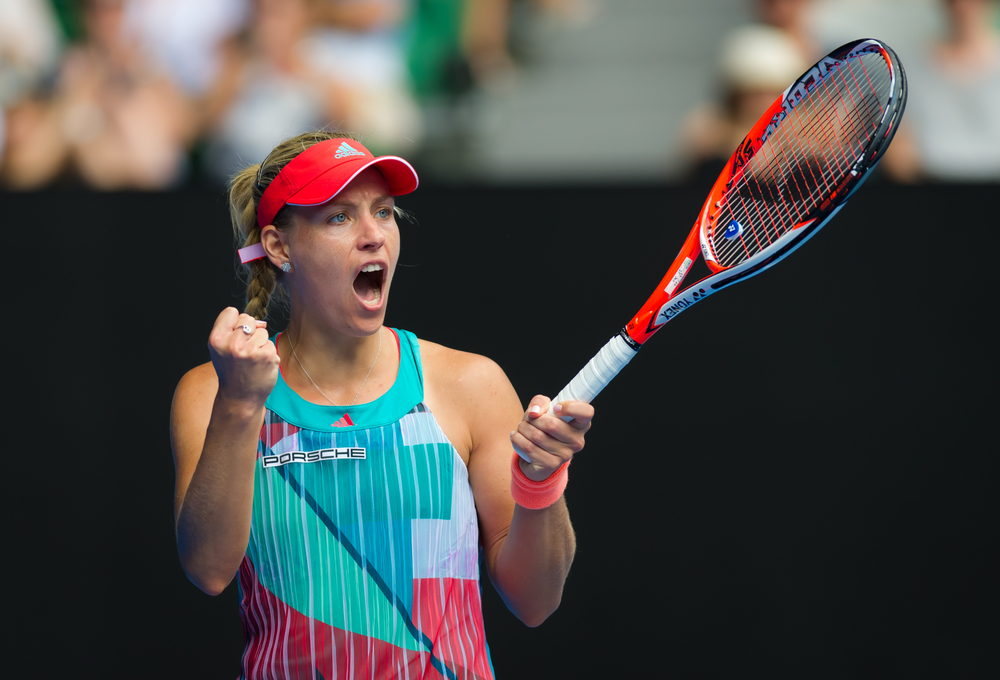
{"type": "Point", "coordinates": [469, 394]}
{"type": "Point", "coordinates": [464, 375]}
{"type": "Point", "coordinates": [438, 358]}
{"type": "Point", "coordinates": [197, 385]}
{"type": "Point", "coordinates": [192, 405]}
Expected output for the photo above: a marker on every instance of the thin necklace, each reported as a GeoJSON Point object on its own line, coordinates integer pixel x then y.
{"type": "Point", "coordinates": [299, 362]}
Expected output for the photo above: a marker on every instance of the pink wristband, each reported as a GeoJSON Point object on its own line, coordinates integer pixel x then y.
{"type": "Point", "coordinates": [536, 495]}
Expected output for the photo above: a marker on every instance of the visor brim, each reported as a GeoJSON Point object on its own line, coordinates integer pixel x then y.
{"type": "Point", "coordinates": [399, 175]}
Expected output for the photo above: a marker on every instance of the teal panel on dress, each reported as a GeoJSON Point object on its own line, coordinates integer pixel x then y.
{"type": "Point", "coordinates": [406, 392]}
{"type": "Point", "coordinates": [288, 534]}
{"type": "Point", "coordinates": [394, 482]}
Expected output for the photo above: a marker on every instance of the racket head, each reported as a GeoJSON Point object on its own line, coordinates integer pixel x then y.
{"type": "Point", "coordinates": [803, 159]}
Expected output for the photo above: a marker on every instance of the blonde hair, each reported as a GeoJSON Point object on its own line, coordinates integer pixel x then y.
{"type": "Point", "coordinates": [245, 189]}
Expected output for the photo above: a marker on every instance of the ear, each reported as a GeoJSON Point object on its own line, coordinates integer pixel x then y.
{"type": "Point", "coordinates": [274, 244]}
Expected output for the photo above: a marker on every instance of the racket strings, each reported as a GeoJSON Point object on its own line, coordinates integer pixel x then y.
{"type": "Point", "coordinates": [779, 168]}
{"type": "Point", "coordinates": [805, 158]}
{"type": "Point", "coordinates": [801, 175]}
{"type": "Point", "coordinates": [779, 172]}
{"type": "Point", "coordinates": [763, 202]}
{"type": "Point", "coordinates": [803, 169]}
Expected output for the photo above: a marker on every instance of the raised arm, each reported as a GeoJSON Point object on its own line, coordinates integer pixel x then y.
{"type": "Point", "coordinates": [534, 560]}
{"type": "Point", "coordinates": [215, 423]}
{"type": "Point", "coordinates": [528, 552]}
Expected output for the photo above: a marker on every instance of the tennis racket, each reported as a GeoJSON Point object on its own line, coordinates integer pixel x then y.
{"type": "Point", "coordinates": [791, 174]}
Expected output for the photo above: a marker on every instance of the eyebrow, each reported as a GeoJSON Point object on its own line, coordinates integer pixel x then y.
{"type": "Point", "coordinates": [378, 199]}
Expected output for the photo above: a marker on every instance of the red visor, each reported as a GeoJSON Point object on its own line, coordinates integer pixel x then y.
{"type": "Point", "coordinates": [320, 172]}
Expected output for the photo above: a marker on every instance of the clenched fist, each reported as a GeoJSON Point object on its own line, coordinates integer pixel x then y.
{"type": "Point", "coordinates": [246, 363]}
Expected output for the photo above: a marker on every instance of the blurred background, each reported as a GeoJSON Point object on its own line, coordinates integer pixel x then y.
{"type": "Point", "coordinates": [794, 480]}
{"type": "Point", "coordinates": [158, 94]}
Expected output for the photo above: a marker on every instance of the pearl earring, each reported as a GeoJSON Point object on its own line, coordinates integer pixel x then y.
{"type": "Point", "coordinates": [286, 267]}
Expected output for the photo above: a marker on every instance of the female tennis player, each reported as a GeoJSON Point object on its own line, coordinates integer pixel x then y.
{"type": "Point", "coordinates": [349, 472]}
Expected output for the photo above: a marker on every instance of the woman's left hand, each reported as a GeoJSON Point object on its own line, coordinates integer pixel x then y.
{"type": "Point", "coordinates": [545, 441]}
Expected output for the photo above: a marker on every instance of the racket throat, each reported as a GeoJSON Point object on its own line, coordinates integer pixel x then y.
{"type": "Point", "coordinates": [674, 306]}
{"type": "Point", "coordinates": [623, 334]}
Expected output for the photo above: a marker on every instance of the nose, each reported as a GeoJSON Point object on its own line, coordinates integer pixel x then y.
{"type": "Point", "coordinates": [372, 236]}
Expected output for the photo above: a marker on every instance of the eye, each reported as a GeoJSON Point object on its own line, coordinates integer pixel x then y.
{"type": "Point", "coordinates": [384, 213]}
{"type": "Point", "coordinates": [339, 218]}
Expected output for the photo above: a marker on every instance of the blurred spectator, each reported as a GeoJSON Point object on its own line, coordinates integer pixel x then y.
{"type": "Point", "coordinates": [436, 64]}
{"type": "Point", "coordinates": [269, 88]}
{"type": "Point", "coordinates": [29, 50]}
{"type": "Point", "coordinates": [360, 43]}
{"type": "Point", "coordinates": [757, 63]}
{"type": "Point", "coordinates": [184, 37]}
{"type": "Point", "coordinates": [457, 43]}
{"type": "Point", "coordinates": [790, 17]}
{"type": "Point", "coordinates": [485, 40]}
{"type": "Point", "coordinates": [951, 129]}
{"type": "Point", "coordinates": [389, 50]}
{"type": "Point", "coordinates": [29, 47]}
{"type": "Point", "coordinates": [111, 120]}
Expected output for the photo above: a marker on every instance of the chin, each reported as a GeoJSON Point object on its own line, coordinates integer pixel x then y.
{"type": "Point", "coordinates": [369, 323]}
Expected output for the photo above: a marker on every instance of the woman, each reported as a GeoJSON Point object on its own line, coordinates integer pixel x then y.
{"type": "Point", "coordinates": [348, 471]}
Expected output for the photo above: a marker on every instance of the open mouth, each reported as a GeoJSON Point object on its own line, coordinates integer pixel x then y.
{"type": "Point", "coordinates": [368, 283]}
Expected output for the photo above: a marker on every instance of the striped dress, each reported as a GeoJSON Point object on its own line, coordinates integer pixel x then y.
{"type": "Point", "coordinates": [363, 560]}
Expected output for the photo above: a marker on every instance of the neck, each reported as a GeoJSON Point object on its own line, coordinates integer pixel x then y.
{"type": "Point", "coordinates": [332, 367]}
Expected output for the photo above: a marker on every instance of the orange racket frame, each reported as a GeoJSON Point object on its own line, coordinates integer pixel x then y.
{"type": "Point", "coordinates": [669, 300]}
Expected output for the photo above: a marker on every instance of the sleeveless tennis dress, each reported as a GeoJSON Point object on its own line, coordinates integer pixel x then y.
{"type": "Point", "coordinates": [363, 560]}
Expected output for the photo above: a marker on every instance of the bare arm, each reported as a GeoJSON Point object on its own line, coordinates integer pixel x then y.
{"type": "Point", "coordinates": [534, 560]}
{"type": "Point", "coordinates": [528, 552]}
{"type": "Point", "coordinates": [215, 422]}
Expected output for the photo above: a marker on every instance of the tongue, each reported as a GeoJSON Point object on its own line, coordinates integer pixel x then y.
{"type": "Point", "coordinates": [366, 286]}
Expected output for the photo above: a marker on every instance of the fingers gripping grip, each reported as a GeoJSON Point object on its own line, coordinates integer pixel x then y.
{"type": "Point", "coordinates": [598, 372]}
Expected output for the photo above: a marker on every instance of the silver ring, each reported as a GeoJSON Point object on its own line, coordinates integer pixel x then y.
{"type": "Point", "coordinates": [247, 329]}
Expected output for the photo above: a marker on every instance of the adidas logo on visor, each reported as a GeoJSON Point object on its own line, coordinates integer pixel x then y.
{"type": "Point", "coordinates": [345, 150]}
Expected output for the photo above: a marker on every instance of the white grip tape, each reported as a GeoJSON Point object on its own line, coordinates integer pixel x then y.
{"type": "Point", "coordinates": [598, 372]}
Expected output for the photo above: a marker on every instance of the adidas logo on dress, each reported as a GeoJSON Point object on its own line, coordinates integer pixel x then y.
{"type": "Point", "coordinates": [345, 150]}
{"type": "Point", "coordinates": [345, 421]}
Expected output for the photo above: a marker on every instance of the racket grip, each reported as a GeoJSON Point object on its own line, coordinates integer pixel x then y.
{"type": "Point", "coordinates": [598, 372]}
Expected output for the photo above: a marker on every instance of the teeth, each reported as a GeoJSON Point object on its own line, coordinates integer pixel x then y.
{"type": "Point", "coordinates": [372, 268]}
